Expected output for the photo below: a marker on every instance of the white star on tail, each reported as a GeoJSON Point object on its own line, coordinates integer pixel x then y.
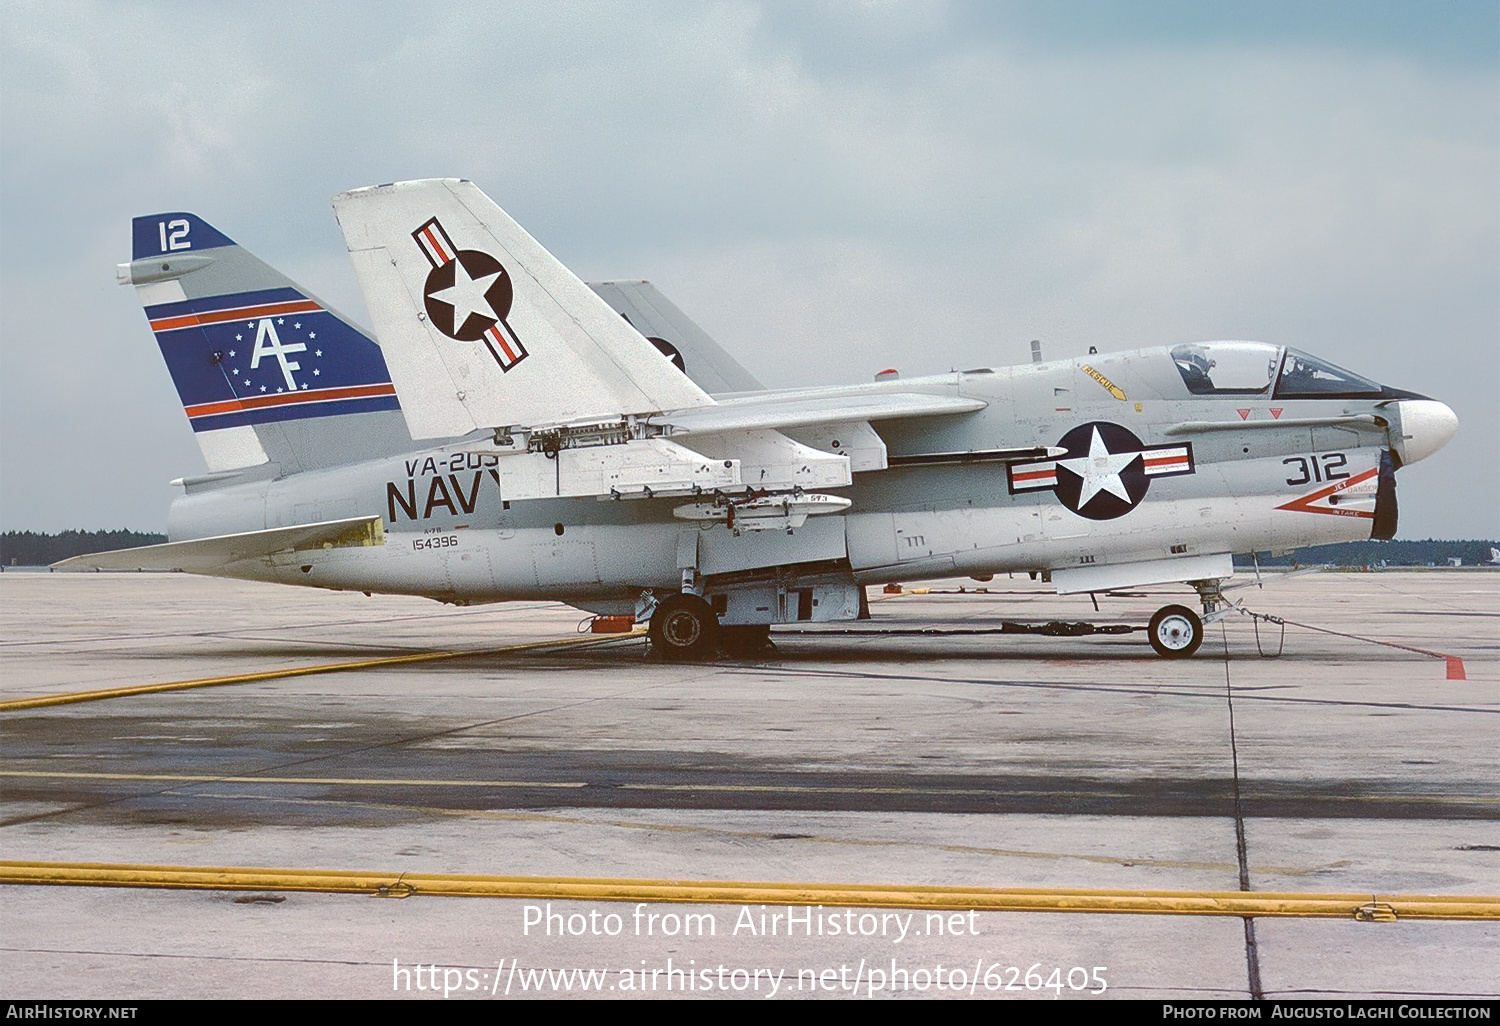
{"type": "Point", "coordinates": [1100, 470]}
{"type": "Point", "coordinates": [466, 295]}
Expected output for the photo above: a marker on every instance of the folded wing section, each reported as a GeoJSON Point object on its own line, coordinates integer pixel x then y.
{"type": "Point", "coordinates": [483, 328]}
{"type": "Point", "coordinates": [677, 335]}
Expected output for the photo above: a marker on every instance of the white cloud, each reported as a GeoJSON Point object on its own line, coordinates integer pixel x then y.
{"type": "Point", "coordinates": [830, 189]}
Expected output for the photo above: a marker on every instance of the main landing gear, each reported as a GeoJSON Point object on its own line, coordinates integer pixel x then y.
{"type": "Point", "coordinates": [685, 629]}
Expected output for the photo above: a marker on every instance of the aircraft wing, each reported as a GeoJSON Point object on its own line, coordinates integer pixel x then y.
{"type": "Point", "coordinates": [204, 555]}
{"type": "Point", "coordinates": [678, 337]}
{"type": "Point", "coordinates": [481, 327]}
{"type": "Point", "coordinates": [803, 409]}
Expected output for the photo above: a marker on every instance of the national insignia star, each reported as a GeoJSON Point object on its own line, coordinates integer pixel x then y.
{"type": "Point", "coordinates": [1100, 470]}
{"type": "Point", "coordinates": [466, 295]}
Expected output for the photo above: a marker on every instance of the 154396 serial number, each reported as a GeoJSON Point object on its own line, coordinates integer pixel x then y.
{"type": "Point", "coordinates": [435, 541]}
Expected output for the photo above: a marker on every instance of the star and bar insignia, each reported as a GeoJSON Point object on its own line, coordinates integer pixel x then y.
{"type": "Point", "coordinates": [1106, 472]}
{"type": "Point", "coordinates": [468, 295]}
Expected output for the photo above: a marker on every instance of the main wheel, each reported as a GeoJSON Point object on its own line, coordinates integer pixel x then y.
{"type": "Point", "coordinates": [684, 628]}
{"type": "Point", "coordinates": [1175, 632]}
{"type": "Point", "coordinates": [746, 642]}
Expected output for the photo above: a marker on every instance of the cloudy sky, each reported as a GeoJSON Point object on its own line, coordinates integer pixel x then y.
{"type": "Point", "coordinates": [828, 188]}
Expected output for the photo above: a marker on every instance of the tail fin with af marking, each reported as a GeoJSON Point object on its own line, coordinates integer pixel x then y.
{"type": "Point", "coordinates": [266, 372]}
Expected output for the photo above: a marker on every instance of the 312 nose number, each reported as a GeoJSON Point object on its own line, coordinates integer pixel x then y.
{"type": "Point", "coordinates": [1326, 466]}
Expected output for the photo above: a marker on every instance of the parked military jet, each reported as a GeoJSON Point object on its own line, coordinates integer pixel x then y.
{"type": "Point", "coordinates": [517, 435]}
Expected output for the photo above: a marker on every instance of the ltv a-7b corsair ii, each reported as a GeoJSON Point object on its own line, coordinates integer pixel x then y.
{"type": "Point", "coordinates": [518, 434]}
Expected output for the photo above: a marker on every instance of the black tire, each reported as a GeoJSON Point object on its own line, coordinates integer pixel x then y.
{"type": "Point", "coordinates": [1176, 632]}
{"type": "Point", "coordinates": [685, 629]}
{"type": "Point", "coordinates": [746, 642]}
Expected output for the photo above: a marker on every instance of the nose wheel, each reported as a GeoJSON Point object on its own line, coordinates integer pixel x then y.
{"type": "Point", "coordinates": [1175, 632]}
{"type": "Point", "coordinates": [685, 629]}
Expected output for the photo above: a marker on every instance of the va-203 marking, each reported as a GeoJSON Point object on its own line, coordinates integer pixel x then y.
{"type": "Point", "coordinates": [456, 462]}
{"type": "Point", "coordinates": [593, 445]}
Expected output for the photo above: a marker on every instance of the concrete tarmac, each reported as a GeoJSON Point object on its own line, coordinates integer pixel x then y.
{"type": "Point", "coordinates": [960, 759]}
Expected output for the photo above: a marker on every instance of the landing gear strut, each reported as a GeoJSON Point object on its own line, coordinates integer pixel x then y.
{"type": "Point", "coordinates": [684, 629]}
{"type": "Point", "coordinates": [1211, 595]}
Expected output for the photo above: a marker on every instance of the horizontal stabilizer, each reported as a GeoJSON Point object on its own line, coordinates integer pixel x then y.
{"type": "Point", "coordinates": [482, 327]}
{"type": "Point", "coordinates": [205, 555]}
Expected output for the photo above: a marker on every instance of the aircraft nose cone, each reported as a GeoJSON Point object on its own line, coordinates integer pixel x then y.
{"type": "Point", "coordinates": [1426, 426]}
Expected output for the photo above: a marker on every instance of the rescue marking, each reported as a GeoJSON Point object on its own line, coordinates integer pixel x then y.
{"type": "Point", "coordinates": [1109, 386]}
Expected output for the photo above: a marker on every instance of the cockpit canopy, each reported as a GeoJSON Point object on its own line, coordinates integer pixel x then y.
{"type": "Point", "coordinates": [1257, 368]}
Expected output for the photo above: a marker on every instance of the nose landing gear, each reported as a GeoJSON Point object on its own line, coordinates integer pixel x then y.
{"type": "Point", "coordinates": [1175, 632]}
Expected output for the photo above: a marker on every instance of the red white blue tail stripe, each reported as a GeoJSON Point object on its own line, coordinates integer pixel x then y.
{"type": "Point", "coordinates": [266, 356]}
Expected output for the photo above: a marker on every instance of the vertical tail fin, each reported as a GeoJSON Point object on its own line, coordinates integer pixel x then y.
{"type": "Point", "coordinates": [483, 327]}
{"type": "Point", "coordinates": [265, 371]}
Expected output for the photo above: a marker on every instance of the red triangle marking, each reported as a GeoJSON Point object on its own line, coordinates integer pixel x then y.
{"type": "Point", "coordinates": [1304, 504]}
{"type": "Point", "coordinates": [1276, 412]}
{"type": "Point", "coordinates": [1244, 415]}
